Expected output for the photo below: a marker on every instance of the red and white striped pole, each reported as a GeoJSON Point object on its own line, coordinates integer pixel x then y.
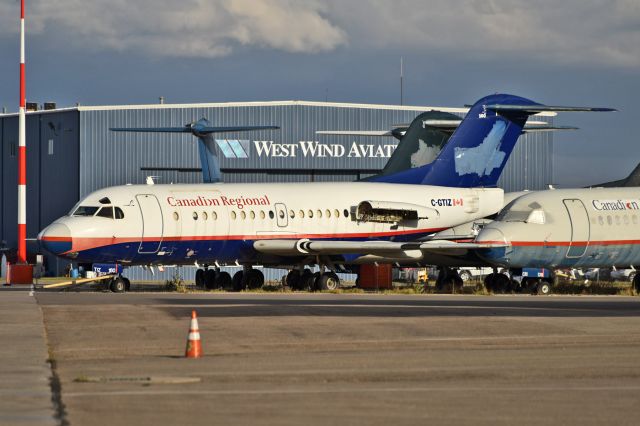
{"type": "Point", "coordinates": [22, 154]}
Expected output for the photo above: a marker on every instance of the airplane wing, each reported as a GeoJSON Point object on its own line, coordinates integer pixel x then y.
{"type": "Point", "coordinates": [391, 248]}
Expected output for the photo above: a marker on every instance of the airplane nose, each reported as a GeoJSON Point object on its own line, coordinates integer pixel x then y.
{"type": "Point", "coordinates": [55, 238]}
{"type": "Point", "coordinates": [491, 235]}
{"type": "Point", "coordinates": [495, 236]}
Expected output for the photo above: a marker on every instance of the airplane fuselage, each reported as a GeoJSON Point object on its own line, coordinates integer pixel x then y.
{"type": "Point", "coordinates": [218, 223]}
{"type": "Point", "coordinates": [598, 227]}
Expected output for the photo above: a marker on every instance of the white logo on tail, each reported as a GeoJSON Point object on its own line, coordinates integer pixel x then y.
{"type": "Point", "coordinates": [484, 158]}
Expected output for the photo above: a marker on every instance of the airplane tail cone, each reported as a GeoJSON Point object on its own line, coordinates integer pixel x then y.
{"type": "Point", "coordinates": [194, 347]}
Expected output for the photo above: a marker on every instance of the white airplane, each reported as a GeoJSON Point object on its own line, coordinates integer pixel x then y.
{"type": "Point", "coordinates": [334, 225]}
{"type": "Point", "coordinates": [567, 228]}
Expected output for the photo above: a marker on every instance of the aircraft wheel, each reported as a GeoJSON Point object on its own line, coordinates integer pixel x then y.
{"type": "Point", "coordinates": [490, 282]}
{"type": "Point", "coordinates": [127, 284]}
{"type": "Point", "coordinates": [465, 276]}
{"type": "Point", "coordinates": [636, 283]}
{"type": "Point", "coordinates": [501, 283]}
{"type": "Point", "coordinates": [236, 281]}
{"type": "Point", "coordinates": [118, 285]}
{"type": "Point", "coordinates": [223, 280]}
{"type": "Point", "coordinates": [544, 288]}
{"type": "Point", "coordinates": [311, 283]}
{"type": "Point", "coordinates": [200, 278]}
{"type": "Point", "coordinates": [210, 279]}
{"type": "Point", "coordinates": [328, 281]}
{"type": "Point", "coordinates": [293, 279]}
{"type": "Point", "coordinates": [255, 279]}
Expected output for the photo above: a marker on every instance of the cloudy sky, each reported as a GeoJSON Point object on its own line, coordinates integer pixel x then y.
{"type": "Point", "coordinates": [574, 52]}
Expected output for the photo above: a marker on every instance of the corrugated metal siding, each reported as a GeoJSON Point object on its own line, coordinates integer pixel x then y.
{"type": "Point", "coordinates": [110, 158]}
{"type": "Point", "coordinates": [531, 164]}
{"type": "Point", "coordinates": [52, 180]}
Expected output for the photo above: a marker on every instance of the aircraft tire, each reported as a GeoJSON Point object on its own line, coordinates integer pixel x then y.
{"type": "Point", "coordinates": [311, 283]}
{"type": "Point", "coordinates": [465, 276]}
{"type": "Point", "coordinates": [127, 284]}
{"type": "Point", "coordinates": [293, 279]}
{"type": "Point", "coordinates": [237, 281]}
{"type": "Point", "coordinates": [502, 283]}
{"type": "Point", "coordinates": [118, 285]}
{"type": "Point", "coordinates": [635, 286]}
{"type": "Point", "coordinates": [200, 278]}
{"type": "Point", "coordinates": [223, 280]}
{"type": "Point", "coordinates": [328, 281]}
{"type": "Point", "coordinates": [209, 279]}
{"type": "Point", "coordinates": [489, 283]}
{"type": "Point", "coordinates": [255, 279]}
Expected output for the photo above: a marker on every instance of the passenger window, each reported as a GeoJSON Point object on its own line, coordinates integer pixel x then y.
{"type": "Point", "coordinates": [327, 212]}
{"type": "Point", "coordinates": [346, 213]}
{"type": "Point", "coordinates": [214, 215]}
{"type": "Point", "coordinates": [301, 214]}
{"type": "Point", "coordinates": [176, 216]}
{"type": "Point", "coordinates": [262, 214]}
{"type": "Point", "coordinates": [195, 216]}
{"type": "Point", "coordinates": [310, 213]}
{"type": "Point", "coordinates": [105, 212]}
{"type": "Point", "coordinates": [205, 216]}
{"type": "Point", "coordinates": [119, 213]}
{"type": "Point", "coordinates": [292, 214]}
{"type": "Point", "coordinates": [281, 214]}
{"type": "Point", "coordinates": [271, 215]}
{"type": "Point", "coordinates": [243, 215]}
{"type": "Point", "coordinates": [252, 214]}
{"type": "Point", "coordinates": [336, 213]}
{"type": "Point", "coordinates": [233, 215]}
{"type": "Point", "coordinates": [609, 220]}
{"type": "Point", "coordinates": [600, 220]}
{"type": "Point", "coordinates": [319, 213]}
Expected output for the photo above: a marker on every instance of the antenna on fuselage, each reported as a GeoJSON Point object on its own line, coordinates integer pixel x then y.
{"type": "Point", "coordinates": [203, 130]}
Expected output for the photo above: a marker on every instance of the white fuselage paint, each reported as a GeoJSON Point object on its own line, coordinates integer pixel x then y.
{"type": "Point", "coordinates": [193, 221]}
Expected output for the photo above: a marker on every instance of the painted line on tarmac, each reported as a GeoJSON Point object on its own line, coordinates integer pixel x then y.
{"type": "Point", "coordinates": [352, 390]}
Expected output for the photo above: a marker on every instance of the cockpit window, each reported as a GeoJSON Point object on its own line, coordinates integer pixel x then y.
{"type": "Point", "coordinates": [119, 213]}
{"type": "Point", "coordinates": [85, 211]}
{"type": "Point", "coordinates": [531, 213]}
{"type": "Point", "coordinates": [105, 212]}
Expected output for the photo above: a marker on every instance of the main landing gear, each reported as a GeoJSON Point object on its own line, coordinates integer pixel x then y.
{"type": "Point", "coordinates": [214, 279]}
{"type": "Point", "coordinates": [306, 280]}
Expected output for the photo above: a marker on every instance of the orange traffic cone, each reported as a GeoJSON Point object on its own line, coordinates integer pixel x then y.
{"type": "Point", "coordinates": [194, 349]}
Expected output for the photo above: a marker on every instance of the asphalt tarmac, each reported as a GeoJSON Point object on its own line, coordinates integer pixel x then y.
{"type": "Point", "coordinates": [345, 359]}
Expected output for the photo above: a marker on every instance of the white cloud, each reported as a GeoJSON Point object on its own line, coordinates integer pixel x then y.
{"type": "Point", "coordinates": [572, 31]}
{"type": "Point", "coordinates": [602, 32]}
{"type": "Point", "coordinates": [187, 28]}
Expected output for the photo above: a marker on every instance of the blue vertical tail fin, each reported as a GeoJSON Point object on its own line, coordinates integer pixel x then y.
{"type": "Point", "coordinates": [478, 150]}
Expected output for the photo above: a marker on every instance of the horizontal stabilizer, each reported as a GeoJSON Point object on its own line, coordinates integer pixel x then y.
{"type": "Point", "coordinates": [531, 129]}
{"type": "Point", "coordinates": [192, 129]}
{"type": "Point", "coordinates": [536, 108]}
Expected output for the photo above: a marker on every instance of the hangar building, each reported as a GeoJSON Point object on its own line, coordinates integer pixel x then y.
{"type": "Point", "coordinates": [71, 152]}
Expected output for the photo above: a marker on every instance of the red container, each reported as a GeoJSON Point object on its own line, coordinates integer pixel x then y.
{"type": "Point", "coordinates": [374, 277]}
{"type": "Point", "coordinates": [19, 274]}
